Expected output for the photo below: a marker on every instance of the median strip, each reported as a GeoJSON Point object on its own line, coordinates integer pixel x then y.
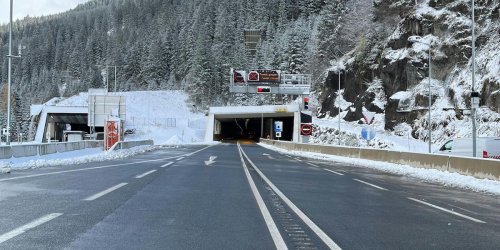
{"type": "Point", "coordinates": [446, 210]}
{"type": "Point", "coordinates": [271, 225]}
{"type": "Point", "coordinates": [315, 228]}
{"type": "Point", "coordinates": [20, 230]}
{"type": "Point", "coordinates": [107, 191]}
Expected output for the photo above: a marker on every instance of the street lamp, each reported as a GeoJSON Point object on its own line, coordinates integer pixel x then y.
{"type": "Point", "coordinates": [415, 39]}
{"type": "Point", "coordinates": [9, 83]}
{"type": "Point", "coordinates": [474, 95]}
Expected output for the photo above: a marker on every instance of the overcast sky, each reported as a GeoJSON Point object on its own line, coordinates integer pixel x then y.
{"type": "Point", "coordinates": [23, 8]}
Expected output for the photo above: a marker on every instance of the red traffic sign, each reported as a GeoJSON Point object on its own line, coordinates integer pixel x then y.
{"type": "Point", "coordinates": [253, 76]}
{"type": "Point", "coordinates": [306, 129]}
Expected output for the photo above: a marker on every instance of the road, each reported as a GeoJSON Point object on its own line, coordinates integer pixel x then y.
{"type": "Point", "coordinates": [229, 196]}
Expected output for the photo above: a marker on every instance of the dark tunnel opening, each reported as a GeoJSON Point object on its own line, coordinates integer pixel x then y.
{"type": "Point", "coordinates": [232, 130]}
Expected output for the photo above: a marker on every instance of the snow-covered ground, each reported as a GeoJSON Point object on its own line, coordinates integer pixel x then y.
{"type": "Point", "coordinates": [166, 117]}
{"type": "Point", "coordinates": [427, 175]}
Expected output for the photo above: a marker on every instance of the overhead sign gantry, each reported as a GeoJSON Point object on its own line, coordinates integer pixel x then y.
{"type": "Point", "coordinates": [269, 82]}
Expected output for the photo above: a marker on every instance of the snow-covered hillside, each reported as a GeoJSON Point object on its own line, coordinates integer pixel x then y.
{"type": "Point", "coordinates": [167, 117]}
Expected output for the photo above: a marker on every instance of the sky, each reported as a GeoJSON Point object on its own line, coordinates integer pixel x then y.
{"type": "Point", "coordinates": [33, 8]}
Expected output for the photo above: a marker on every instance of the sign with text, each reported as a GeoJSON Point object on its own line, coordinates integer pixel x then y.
{"type": "Point", "coordinates": [264, 76]}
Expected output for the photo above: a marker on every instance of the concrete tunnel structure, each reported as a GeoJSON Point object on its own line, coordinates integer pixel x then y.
{"type": "Point", "coordinates": [253, 122]}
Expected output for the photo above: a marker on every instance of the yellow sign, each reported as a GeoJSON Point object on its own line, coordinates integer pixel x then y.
{"type": "Point", "coordinates": [282, 109]}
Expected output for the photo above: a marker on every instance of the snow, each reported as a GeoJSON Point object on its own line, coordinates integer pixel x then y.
{"type": "Point", "coordinates": [444, 178]}
{"type": "Point", "coordinates": [70, 158]}
{"type": "Point", "coordinates": [164, 116]}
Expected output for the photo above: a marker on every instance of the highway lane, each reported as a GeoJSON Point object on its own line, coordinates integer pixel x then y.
{"type": "Point", "coordinates": [362, 208]}
{"type": "Point", "coordinates": [169, 199]}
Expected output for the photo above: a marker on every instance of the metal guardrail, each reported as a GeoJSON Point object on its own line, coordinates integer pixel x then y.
{"type": "Point", "coordinates": [476, 167]}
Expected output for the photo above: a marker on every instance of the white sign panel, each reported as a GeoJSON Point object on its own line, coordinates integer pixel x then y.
{"type": "Point", "coordinates": [104, 107]}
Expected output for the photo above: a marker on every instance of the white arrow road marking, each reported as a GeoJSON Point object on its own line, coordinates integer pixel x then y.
{"type": "Point", "coordinates": [211, 160]}
{"type": "Point", "coordinates": [20, 230]}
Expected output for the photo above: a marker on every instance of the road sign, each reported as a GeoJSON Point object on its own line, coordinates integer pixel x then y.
{"type": "Point", "coordinates": [278, 126]}
{"type": "Point", "coordinates": [264, 76]}
{"type": "Point", "coordinates": [367, 133]}
{"type": "Point", "coordinates": [278, 134]}
{"type": "Point", "coordinates": [306, 129]}
{"type": "Point", "coordinates": [368, 117]}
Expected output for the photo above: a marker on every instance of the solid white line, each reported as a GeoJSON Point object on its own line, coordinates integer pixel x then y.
{"type": "Point", "coordinates": [271, 226]}
{"type": "Point", "coordinates": [369, 184]}
{"type": "Point", "coordinates": [93, 168]}
{"type": "Point", "coordinates": [31, 225]}
{"type": "Point", "coordinates": [142, 175]}
{"type": "Point", "coordinates": [107, 191]}
{"type": "Point", "coordinates": [331, 171]}
{"type": "Point", "coordinates": [180, 158]}
{"type": "Point", "coordinates": [318, 231]}
{"type": "Point", "coordinates": [446, 210]}
{"type": "Point", "coordinates": [166, 165]}
{"type": "Point", "coordinates": [297, 159]}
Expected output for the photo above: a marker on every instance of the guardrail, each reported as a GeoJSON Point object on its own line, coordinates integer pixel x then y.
{"type": "Point", "coordinates": [130, 144]}
{"type": "Point", "coordinates": [7, 152]}
{"type": "Point", "coordinates": [476, 167]}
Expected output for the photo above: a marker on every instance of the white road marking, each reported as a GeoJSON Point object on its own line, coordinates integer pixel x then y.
{"type": "Point", "coordinates": [142, 175]}
{"type": "Point", "coordinates": [297, 159]}
{"type": "Point", "coordinates": [93, 168]}
{"type": "Point", "coordinates": [313, 165]}
{"type": "Point", "coordinates": [372, 185]}
{"type": "Point", "coordinates": [166, 165]}
{"type": "Point", "coordinates": [271, 226]}
{"type": "Point", "coordinates": [331, 171]}
{"type": "Point", "coordinates": [447, 210]}
{"type": "Point", "coordinates": [20, 230]}
{"type": "Point", "coordinates": [105, 192]}
{"type": "Point", "coordinates": [318, 231]}
{"type": "Point", "coordinates": [270, 157]}
{"type": "Point", "coordinates": [178, 159]}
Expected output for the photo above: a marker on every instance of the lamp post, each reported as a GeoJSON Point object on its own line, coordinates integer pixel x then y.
{"type": "Point", "coordinates": [338, 99]}
{"type": "Point", "coordinates": [474, 95]}
{"type": "Point", "coordinates": [9, 83]}
{"type": "Point", "coordinates": [414, 39]}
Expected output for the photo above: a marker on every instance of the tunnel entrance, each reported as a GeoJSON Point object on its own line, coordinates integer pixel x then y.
{"type": "Point", "coordinates": [57, 123]}
{"type": "Point", "coordinates": [251, 129]}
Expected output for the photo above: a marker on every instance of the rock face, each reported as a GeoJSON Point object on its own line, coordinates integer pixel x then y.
{"type": "Point", "coordinates": [400, 62]}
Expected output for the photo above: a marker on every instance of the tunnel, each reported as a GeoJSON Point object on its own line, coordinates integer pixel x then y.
{"type": "Point", "coordinates": [57, 123]}
{"type": "Point", "coordinates": [252, 128]}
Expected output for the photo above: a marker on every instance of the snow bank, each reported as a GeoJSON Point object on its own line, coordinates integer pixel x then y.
{"type": "Point", "coordinates": [444, 178]}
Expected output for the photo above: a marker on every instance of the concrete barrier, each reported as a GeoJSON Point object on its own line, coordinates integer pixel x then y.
{"type": "Point", "coordinates": [24, 150]}
{"type": "Point", "coordinates": [45, 149]}
{"type": "Point", "coordinates": [131, 144]}
{"type": "Point", "coordinates": [483, 168]}
{"type": "Point", "coordinates": [5, 153]}
{"type": "Point", "coordinates": [476, 167]}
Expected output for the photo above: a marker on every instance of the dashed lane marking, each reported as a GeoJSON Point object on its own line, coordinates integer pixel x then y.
{"type": "Point", "coordinates": [372, 185]}
{"type": "Point", "coordinates": [105, 192]}
{"type": "Point", "coordinates": [147, 173]}
{"type": "Point", "coordinates": [178, 159]}
{"type": "Point", "coordinates": [447, 210]}
{"type": "Point", "coordinates": [166, 165]}
{"type": "Point", "coordinates": [331, 171]}
{"type": "Point", "coordinates": [20, 230]}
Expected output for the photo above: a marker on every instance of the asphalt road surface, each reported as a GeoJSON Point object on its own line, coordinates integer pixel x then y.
{"type": "Point", "coordinates": [229, 196]}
